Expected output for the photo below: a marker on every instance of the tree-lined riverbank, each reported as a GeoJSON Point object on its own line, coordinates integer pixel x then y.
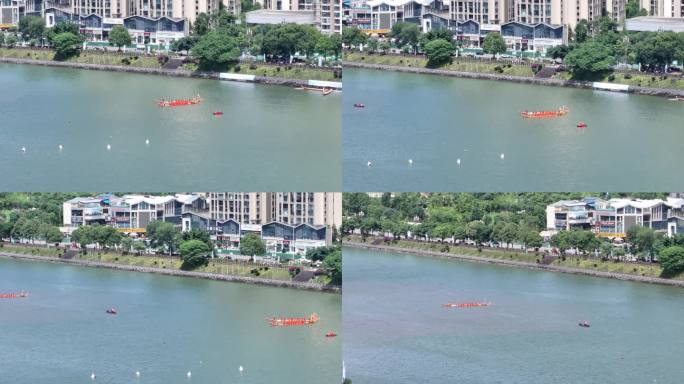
{"type": "Point", "coordinates": [483, 71]}
{"type": "Point", "coordinates": [572, 265]}
{"type": "Point", "coordinates": [168, 266]}
{"type": "Point", "coordinates": [294, 76]}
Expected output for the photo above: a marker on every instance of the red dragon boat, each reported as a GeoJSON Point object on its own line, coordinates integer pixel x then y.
{"type": "Point", "coordinates": [293, 321]}
{"type": "Point", "coordinates": [180, 102]}
{"type": "Point", "coordinates": [467, 305]}
{"type": "Point", "coordinates": [20, 295]}
{"type": "Point", "coordinates": [562, 111]}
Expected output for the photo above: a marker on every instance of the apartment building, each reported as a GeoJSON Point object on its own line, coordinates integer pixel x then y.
{"type": "Point", "coordinates": [289, 223]}
{"type": "Point", "coordinates": [243, 207]}
{"type": "Point", "coordinates": [481, 11]}
{"type": "Point", "coordinates": [663, 8]}
{"type": "Point", "coordinates": [613, 218]}
{"type": "Point", "coordinates": [292, 208]}
{"type": "Point", "coordinates": [452, 13]}
{"type": "Point", "coordinates": [112, 12]}
{"type": "Point", "coordinates": [128, 213]}
{"type": "Point", "coordinates": [326, 15]}
{"type": "Point", "coordinates": [10, 11]}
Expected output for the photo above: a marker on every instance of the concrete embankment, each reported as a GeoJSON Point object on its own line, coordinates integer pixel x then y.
{"type": "Point", "coordinates": [171, 272]}
{"type": "Point", "coordinates": [180, 73]}
{"type": "Point", "coordinates": [519, 264]}
{"type": "Point", "coordinates": [521, 79]}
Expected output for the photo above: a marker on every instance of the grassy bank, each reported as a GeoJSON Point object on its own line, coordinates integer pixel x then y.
{"type": "Point", "coordinates": [481, 66]}
{"type": "Point", "coordinates": [635, 269]}
{"type": "Point", "coordinates": [223, 267]}
{"type": "Point", "coordinates": [85, 57]}
{"type": "Point", "coordinates": [459, 65]}
{"type": "Point", "coordinates": [286, 72]}
{"type": "Point", "coordinates": [636, 79]}
{"type": "Point", "coordinates": [129, 60]}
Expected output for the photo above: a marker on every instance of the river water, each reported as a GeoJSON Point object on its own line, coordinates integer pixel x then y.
{"type": "Point", "coordinates": [397, 332]}
{"type": "Point", "coordinates": [632, 142]}
{"type": "Point", "coordinates": [269, 138]}
{"type": "Point", "coordinates": [166, 326]}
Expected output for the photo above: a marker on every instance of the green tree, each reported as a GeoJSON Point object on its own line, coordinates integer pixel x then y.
{"type": "Point", "coordinates": [509, 233]}
{"type": "Point", "coordinates": [658, 50]}
{"type": "Point", "coordinates": [672, 261]}
{"type": "Point", "coordinates": [354, 203]}
{"type": "Point", "coordinates": [65, 44]}
{"type": "Point", "coordinates": [83, 236]}
{"type": "Point", "coordinates": [287, 39]}
{"type": "Point", "coordinates": [333, 264]}
{"type": "Point", "coordinates": [194, 254]}
{"type": "Point", "coordinates": [632, 9]}
{"type": "Point", "coordinates": [201, 26]}
{"type": "Point", "coordinates": [197, 234]}
{"type": "Point", "coordinates": [50, 233]}
{"type": "Point", "coordinates": [349, 224]}
{"type": "Point", "coordinates": [478, 231]}
{"type": "Point", "coordinates": [119, 36]}
{"type": "Point", "coordinates": [126, 244]}
{"type": "Point", "coordinates": [62, 27]}
{"type": "Point", "coordinates": [384, 46]}
{"type": "Point", "coordinates": [220, 19]}
{"type": "Point", "coordinates": [558, 52]}
{"type": "Point", "coordinates": [31, 27]}
{"type": "Point", "coordinates": [2, 38]}
{"type": "Point", "coordinates": [643, 239]}
{"type": "Point", "coordinates": [405, 34]}
{"type": "Point", "coordinates": [581, 31]}
{"type": "Point", "coordinates": [562, 241]}
{"type": "Point", "coordinates": [105, 236]}
{"type": "Point", "coordinates": [139, 247]}
{"type": "Point", "coordinates": [353, 36]}
{"type": "Point", "coordinates": [11, 40]}
{"type": "Point", "coordinates": [439, 52]}
{"type": "Point", "coordinates": [442, 231]}
{"type": "Point", "coordinates": [249, 6]}
{"type": "Point", "coordinates": [530, 237]}
{"type": "Point", "coordinates": [216, 50]}
{"type": "Point", "coordinates": [320, 253]}
{"type": "Point", "coordinates": [494, 44]}
{"type": "Point", "coordinates": [585, 241]}
{"type": "Point", "coordinates": [372, 45]}
{"type": "Point", "coordinates": [184, 44]}
{"type": "Point", "coordinates": [162, 233]}
{"type": "Point", "coordinates": [589, 59]}
{"type": "Point", "coordinates": [252, 245]}
{"type": "Point", "coordinates": [327, 46]}
{"type": "Point", "coordinates": [437, 34]}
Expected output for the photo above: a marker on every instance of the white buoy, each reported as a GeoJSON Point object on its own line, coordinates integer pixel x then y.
{"type": "Point", "coordinates": [23, 149]}
{"type": "Point", "coordinates": [109, 147]}
{"type": "Point", "coordinates": [189, 374]}
{"type": "Point", "coordinates": [147, 141]}
{"type": "Point", "coordinates": [60, 147]}
{"type": "Point", "coordinates": [369, 164]}
{"type": "Point", "coordinates": [241, 369]}
{"type": "Point", "coordinates": [137, 373]}
{"type": "Point", "coordinates": [92, 376]}
{"type": "Point", "coordinates": [410, 161]}
{"type": "Point", "coordinates": [502, 156]}
{"type": "Point", "coordinates": [458, 161]}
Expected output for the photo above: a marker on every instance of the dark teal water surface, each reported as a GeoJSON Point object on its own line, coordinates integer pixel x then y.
{"type": "Point", "coordinates": [397, 332]}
